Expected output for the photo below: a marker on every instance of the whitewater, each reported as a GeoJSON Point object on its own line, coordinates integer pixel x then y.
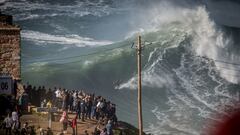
{"type": "Point", "coordinates": [190, 70]}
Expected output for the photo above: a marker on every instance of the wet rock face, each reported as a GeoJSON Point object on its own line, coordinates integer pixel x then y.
{"type": "Point", "coordinates": [9, 48]}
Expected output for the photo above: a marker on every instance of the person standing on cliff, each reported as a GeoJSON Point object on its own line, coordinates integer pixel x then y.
{"type": "Point", "coordinates": [83, 109]}
{"type": "Point", "coordinates": [15, 117]}
{"type": "Point", "coordinates": [75, 101]}
{"type": "Point", "coordinates": [64, 120]}
{"type": "Point", "coordinates": [64, 100]}
{"type": "Point", "coordinates": [16, 123]}
{"type": "Point", "coordinates": [88, 107]}
{"type": "Point", "coordinates": [58, 98]}
{"type": "Point", "coordinates": [109, 128]}
{"type": "Point", "coordinates": [8, 124]}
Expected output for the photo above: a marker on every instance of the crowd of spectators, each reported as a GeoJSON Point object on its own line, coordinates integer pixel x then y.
{"type": "Point", "coordinates": [84, 105]}
{"type": "Point", "coordinates": [12, 125]}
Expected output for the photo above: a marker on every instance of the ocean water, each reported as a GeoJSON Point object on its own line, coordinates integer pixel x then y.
{"type": "Point", "coordinates": [190, 69]}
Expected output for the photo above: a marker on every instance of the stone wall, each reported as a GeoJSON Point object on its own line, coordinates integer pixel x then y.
{"type": "Point", "coordinates": [10, 50]}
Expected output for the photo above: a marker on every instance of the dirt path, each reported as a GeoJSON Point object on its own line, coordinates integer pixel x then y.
{"type": "Point", "coordinates": [41, 120]}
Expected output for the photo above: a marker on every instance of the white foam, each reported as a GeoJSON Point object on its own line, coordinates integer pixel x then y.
{"type": "Point", "coordinates": [87, 63]}
{"type": "Point", "coordinates": [165, 122]}
{"type": "Point", "coordinates": [76, 10]}
{"type": "Point", "coordinates": [207, 40]}
{"type": "Point", "coordinates": [44, 38]}
{"type": "Point", "coordinates": [149, 79]}
{"type": "Point", "coordinates": [210, 42]}
{"type": "Point", "coordinates": [190, 84]}
{"type": "Point", "coordinates": [193, 94]}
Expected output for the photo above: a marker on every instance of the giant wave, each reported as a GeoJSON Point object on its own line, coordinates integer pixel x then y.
{"type": "Point", "coordinates": [190, 70]}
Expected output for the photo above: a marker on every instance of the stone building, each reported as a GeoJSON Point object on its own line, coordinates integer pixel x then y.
{"type": "Point", "coordinates": [9, 48]}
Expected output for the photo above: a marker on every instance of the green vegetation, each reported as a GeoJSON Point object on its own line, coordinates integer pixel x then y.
{"type": "Point", "coordinates": [126, 129]}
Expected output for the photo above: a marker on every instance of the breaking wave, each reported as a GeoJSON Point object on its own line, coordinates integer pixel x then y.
{"type": "Point", "coordinates": [46, 39]}
{"type": "Point", "coordinates": [188, 71]}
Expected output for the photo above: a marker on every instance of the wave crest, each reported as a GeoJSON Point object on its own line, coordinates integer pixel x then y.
{"type": "Point", "coordinates": [46, 39]}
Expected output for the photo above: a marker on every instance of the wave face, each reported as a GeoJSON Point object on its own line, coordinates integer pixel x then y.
{"type": "Point", "coordinates": [189, 73]}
